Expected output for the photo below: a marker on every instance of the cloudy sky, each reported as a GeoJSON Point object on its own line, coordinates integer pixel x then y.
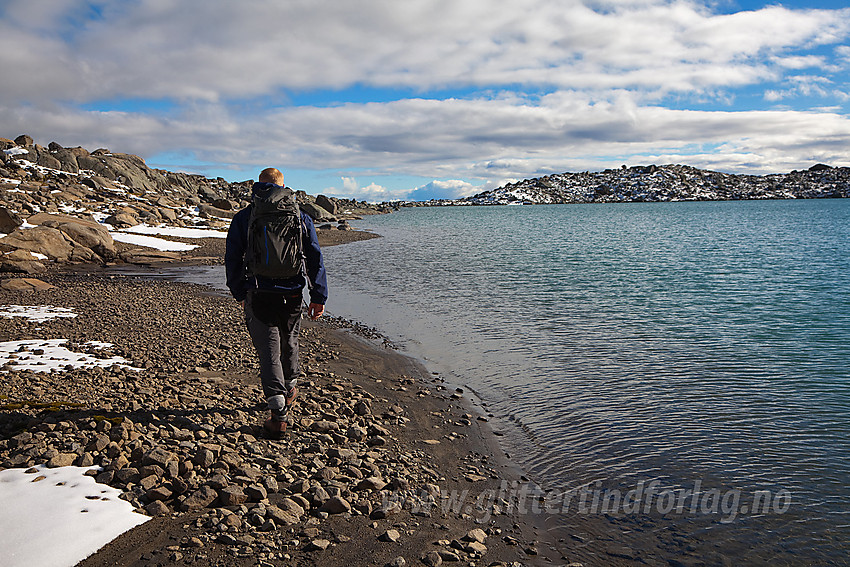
{"type": "Point", "coordinates": [383, 99]}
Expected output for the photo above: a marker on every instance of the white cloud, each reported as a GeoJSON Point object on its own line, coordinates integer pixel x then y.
{"type": "Point", "coordinates": [214, 50]}
{"type": "Point", "coordinates": [372, 193]}
{"type": "Point", "coordinates": [487, 139]}
{"type": "Point", "coordinates": [609, 67]}
{"type": "Point", "coordinates": [448, 189]}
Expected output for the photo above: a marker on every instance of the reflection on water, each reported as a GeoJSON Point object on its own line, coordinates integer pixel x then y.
{"type": "Point", "coordinates": [685, 342]}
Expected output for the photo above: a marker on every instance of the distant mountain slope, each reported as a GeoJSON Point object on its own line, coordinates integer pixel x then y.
{"type": "Point", "coordinates": [666, 183]}
{"type": "Point", "coordinates": [66, 205]}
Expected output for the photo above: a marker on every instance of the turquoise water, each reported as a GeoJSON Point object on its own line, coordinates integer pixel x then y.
{"type": "Point", "coordinates": [697, 344]}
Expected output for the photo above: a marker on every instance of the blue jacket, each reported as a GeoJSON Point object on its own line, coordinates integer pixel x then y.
{"type": "Point", "coordinates": [234, 262]}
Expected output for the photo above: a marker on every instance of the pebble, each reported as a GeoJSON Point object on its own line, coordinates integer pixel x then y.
{"type": "Point", "coordinates": [477, 535]}
{"type": "Point", "coordinates": [318, 545]}
{"type": "Point", "coordinates": [336, 505]}
{"type": "Point", "coordinates": [390, 536]}
{"type": "Point", "coordinates": [432, 559]}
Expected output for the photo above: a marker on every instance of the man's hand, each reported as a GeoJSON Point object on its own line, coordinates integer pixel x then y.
{"type": "Point", "coordinates": [315, 310]}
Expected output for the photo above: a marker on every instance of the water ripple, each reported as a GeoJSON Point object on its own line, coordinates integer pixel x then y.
{"type": "Point", "coordinates": [681, 341]}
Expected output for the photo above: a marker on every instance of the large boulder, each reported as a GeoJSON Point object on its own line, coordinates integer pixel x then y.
{"type": "Point", "coordinates": [147, 256]}
{"type": "Point", "coordinates": [51, 242]}
{"type": "Point", "coordinates": [222, 204]}
{"type": "Point", "coordinates": [131, 170]}
{"type": "Point", "coordinates": [91, 235]}
{"type": "Point", "coordinates": [21, 262]}
{"type": "Point", "coordinates": [92, 163]}
{"type": "Point", "coordinates": [326, 204]}
{"type": "Point", "coordinates": [24, 140]}
{"type": "Point", "coordinates": [26, 284]}
{"type": "Point", "coordinates": [316, 212]}
{"type": "Point", "coordinates": [9, 220]}
{"type": "Point", "coordinates": [215, 212]}
{"type": "Point", "coordinates": [43, 240]}
{"type": "Point", "coordinates": [121, 220]}
{"type": "Point", "coordinates": [67, 159]}
{"type": "Point", "coordinates": [45, 159]}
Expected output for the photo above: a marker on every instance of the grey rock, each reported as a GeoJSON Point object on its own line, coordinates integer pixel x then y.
{"type": "Point", "coordinates": [336, 505]}
{"type": "Point", "coordinates": [121, 220]}
{"type": "Point", "coordinates": [256, 492]}
{"type": "Point", "coordinates": [326, 204]}
{"type": "Point", "coordinates": [9, 220]}
{"type": "Point", "coordinates": [159, 493]}
{"type": "Point", "coordinates": [476, 534]}
{"type": "Point", "coordinates": [318, 545]}
{"type": "Point", "coordinates": [385, 511]}
{"type": "Point", "coordinates": [157, 508]}
{"type": "Point", "coordinates": [316, 212]}
{"type": "Point", "coordinates": [159, 456]}
{"type": "Point", "coordinates": [370, 483]}
{"type": "Point", "coordinates": [232, 496]}
{"type": "Point", "coordinates": [216, 212]}
{"type": "Point", "coordinates": [199, 499]}
{"type": "Point", "coordinates": [475, 547]}
{"type": "Point", "coordinates": [62, 460]}
{"type": "Point", "coordinates": [324, 426]}
{"type": "Point", "coordinates": [282, 517]}
{"type": "Point", "coordinates": [204, 458]}
{"type": "Point", "coordinates": [432, 559]}
{"type": "Point", "coordinates": [44, 240]}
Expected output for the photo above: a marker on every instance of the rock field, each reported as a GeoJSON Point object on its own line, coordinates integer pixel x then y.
{"type": "Point", "coordinates": [665, 183]}
{"type": "Point", "coordinates": [375, 442]}
{"type": "Point", "coordinates": [73, 201]}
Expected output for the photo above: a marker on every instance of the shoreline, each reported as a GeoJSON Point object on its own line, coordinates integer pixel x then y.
{"type": "Point", "coordinates": [420, 425]}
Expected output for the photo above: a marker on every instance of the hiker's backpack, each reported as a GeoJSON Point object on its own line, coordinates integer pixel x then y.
{"type": "Point", "coordinates": [275, 250]}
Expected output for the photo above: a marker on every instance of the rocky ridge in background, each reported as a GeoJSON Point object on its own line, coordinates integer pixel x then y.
{"type": "Point", "coordinates": [664, 183]}
{"type": "Point", "coordinates": [71, 195]}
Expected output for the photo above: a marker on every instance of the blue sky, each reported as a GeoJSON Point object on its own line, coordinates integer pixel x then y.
{"type": "Point", "coordinates": [382, 100]}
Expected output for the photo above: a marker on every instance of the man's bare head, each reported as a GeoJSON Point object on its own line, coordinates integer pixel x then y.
{"type": "Point", "coordinates": [271, 175]}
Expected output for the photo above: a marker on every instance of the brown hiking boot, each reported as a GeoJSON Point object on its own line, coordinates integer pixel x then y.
{"type": "Point", "coordinates": [274, 427]}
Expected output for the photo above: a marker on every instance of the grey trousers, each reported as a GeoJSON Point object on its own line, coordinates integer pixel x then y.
{"type": "Point", "coordinates": [274, 323]}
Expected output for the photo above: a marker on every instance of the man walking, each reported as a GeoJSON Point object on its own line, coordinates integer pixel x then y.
{"type": "Point", "coordinates": [267, 269]}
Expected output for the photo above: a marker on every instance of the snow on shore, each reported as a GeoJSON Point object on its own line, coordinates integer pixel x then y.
{"type": "Point", "coordinates": [47, 355]}
{"type": "Point", "coordinates": [37, 313]}
{"type": "Point", "coordinates": [178, 231]}
{"type": "Point", "coordinates": [140, 235]}
{"type": "Point", "coordinates": [152, 242]}
{"type": "Point", "coordinates": [58, 517]}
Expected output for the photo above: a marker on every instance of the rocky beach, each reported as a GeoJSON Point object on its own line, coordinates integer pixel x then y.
{"type": "Point", "coordinates": [375, 447]}
{"type": "Point", "coordinates": [382, 464]}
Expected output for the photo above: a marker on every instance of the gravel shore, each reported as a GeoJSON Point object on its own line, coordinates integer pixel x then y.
{"type": "Point", "coordinates": [377, 448]}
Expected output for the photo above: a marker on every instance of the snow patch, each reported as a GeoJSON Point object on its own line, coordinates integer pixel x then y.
{"type": "Point", "coordinates": [58, 516]}
{"type": "Point", "coordinates": [152, 242]}
{"type": "Point", "coordinates": [35, 255]}
{"type": "Point", "coordinates": [36, 312]}
{"type": "Point", "coordinates": [180, 232]}
{"type": "Point", "coordinates": [47, 355]}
